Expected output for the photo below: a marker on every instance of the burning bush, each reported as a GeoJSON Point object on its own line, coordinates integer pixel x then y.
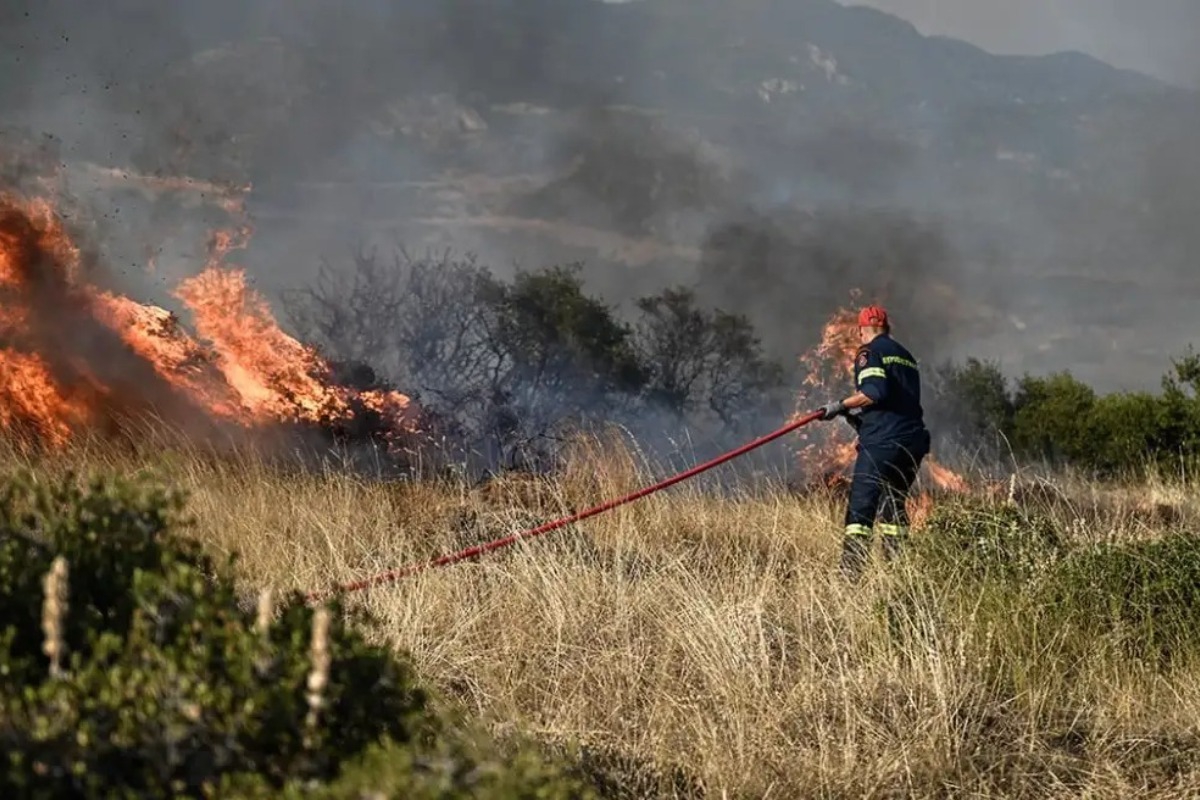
{"type": "Point", "coordinates": [827, 453]}
{"type": "Point", "coordinates": [76, 356]}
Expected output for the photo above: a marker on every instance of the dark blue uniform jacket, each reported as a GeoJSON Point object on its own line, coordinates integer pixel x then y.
{"type": "Point", "coordinates": [888, 374]}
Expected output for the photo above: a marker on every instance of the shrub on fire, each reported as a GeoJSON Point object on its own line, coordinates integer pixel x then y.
{"type": "Point", "coordinates": [130, 669]}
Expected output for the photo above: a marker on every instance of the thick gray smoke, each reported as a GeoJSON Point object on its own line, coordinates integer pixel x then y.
{"type": "Point", "coordinates": [770, 266]}
{"type": "Point", "coordinates": [775, 155]}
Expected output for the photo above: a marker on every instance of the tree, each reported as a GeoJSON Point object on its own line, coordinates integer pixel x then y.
{"type": "Point", "coordinates": [973, 401]}
{"type": "Point", "coordinates": [1181, 398]}
{"type": "Point", "coordinates": [1050, 419]}
{"type": "Point", "coordinates": [424, 323]}
{"type": "Point", "coordinates": [567, 351]}
{"type": "Point", "coordinates": [702, 359]}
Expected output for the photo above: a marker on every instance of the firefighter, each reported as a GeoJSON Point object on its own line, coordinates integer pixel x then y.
{"type": "Point", "coordinates": [885, 410]}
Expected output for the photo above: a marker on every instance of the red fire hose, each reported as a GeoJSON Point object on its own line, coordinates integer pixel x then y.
{"type": "Point", "coordinates": [471, 552]}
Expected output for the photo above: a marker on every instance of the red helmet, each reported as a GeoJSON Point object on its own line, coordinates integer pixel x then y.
{"type": "Point", "coordinates": [872, 317]}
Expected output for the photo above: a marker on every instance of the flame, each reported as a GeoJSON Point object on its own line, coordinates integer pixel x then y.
{"type": "Point", "coordinates": [828, 451]}
{"type": "Point", "coordinates": [31, 402]}
{"type": "Point", "coordinates": [944, 478]}
{"type": "Point", "coordinates": [920, 508]}
{"type": "Point", "coordinates": [75, 356]}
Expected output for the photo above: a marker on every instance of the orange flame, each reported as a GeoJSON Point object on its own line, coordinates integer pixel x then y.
{"type": "Point", "coordinates": [828, 372]}
{"type": "Point", "coordinates": [73, 355]}
{"type": "Point", "coordinates": [31, 402]}
{"type": "Point", "coordinates": [920, 508]}
{"type": "Point", "coordinates": [944, 478]}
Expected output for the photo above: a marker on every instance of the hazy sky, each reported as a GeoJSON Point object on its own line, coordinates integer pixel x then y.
{"type": "Point", "coordinates": [1153, 36]}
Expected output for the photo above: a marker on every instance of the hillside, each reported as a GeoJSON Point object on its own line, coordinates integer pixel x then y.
{"type": "Point", "coordinates": [631, 136]}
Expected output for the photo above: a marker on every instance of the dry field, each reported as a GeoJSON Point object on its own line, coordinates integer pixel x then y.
{"type": "Point", "coordinates": [698, 645]}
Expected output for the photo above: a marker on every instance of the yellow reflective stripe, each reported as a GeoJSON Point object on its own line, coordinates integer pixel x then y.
{"type": "Point", "coordinates": [904, 362]}
{"type": "Point", "coordinates": [871, 372]}
{"type": "Point", "coordinates": [858, 530]}
{"type": "Point", "coordinates": [888, 529]}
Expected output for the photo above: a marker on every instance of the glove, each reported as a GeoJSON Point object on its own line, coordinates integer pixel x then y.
{"type": "Point", "coordinates": [832, 410]}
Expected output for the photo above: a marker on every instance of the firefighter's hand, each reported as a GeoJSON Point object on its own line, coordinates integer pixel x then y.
{"type": "Point", "coordinates": [832, 410]}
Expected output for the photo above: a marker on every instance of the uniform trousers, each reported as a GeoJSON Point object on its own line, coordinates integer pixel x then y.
{"type": "Point", "coordinates": [883, 475]}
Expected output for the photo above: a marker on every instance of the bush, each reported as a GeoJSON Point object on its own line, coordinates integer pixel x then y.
{"type": "Point", "coordinates": [449, 770]}
{"type": "Point", "coordinates": [702, 359]}
{"type": "Point", "coordinates": [975, 540]}
{"type": "Point", "coordinates": [1060, 420]}
{"type": "Point", "coordinates": [507, 366]}
{"type": "Point", "coordinates": [1051, 418]}
{"type": "Point", "coordinates": [168, 687]}
{"type": "Point", "coordinates": [1143, 597]}
{"type": "Point", "coordinates": [973, 401]}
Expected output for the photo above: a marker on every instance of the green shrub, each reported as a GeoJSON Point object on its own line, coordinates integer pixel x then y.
{"type": "Point", "coordinates": [1051, 418]}
{"type": "Point", "coordinates": [1143, 597]}
{"type": "Point", "coordinates": [449, 770]}
{"type": "Point", "coordinates": [973, 557]}
{"type": "Point", "coordinates": [168, 687]}
{"type": "Point", "coordinates": [978, 540]}
{"type": "Point", "coordinates": [1061, 420]}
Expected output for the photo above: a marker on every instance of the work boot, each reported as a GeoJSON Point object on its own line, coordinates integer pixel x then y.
{"type": "Point", "coordinates": [855, 551]}
{"type": "Point", "coordinates": [893, 547]}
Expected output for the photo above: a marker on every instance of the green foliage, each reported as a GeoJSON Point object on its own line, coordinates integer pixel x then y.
{"type": "Point", "coordinates": [1142, 597]}
{"type": "Point", "coordinates": [1181, 404]}
{"type": "Point", "coordinates": [168, 687]}
{"type": "Point", "coordinates": [447, 770]}
{"type": "Point", "coordinates": [556, 333]}
{"type": "Point", "coordinates": [1186, 377]}
{"type": "Point", "coordinates": [977, 540]}
{"type": "Point", "coordinates": [1050, 417]}
{"type": "Point", "coordinates": [1061, 420]}
{"type": "Point", "coordinates": [697, 356]}
{"type": "Point", "coordinates": [1126, 430]}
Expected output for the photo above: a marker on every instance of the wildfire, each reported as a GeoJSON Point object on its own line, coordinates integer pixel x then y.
{"type": "Point", "coordinates": [75, 356]}
{"type": "Point", "coordinates": [829, 451]}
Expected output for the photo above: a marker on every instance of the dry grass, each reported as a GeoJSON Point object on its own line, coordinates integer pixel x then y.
{"type": "Point", "coordinates": [711, 637]}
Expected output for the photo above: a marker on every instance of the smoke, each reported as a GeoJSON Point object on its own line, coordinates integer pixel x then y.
{"type": "Point", "coordinates": [775, 156]}
{"type": "Point", "coordinates": [791, 268]}
{"type": "Point", "coordinates": [632, 173]}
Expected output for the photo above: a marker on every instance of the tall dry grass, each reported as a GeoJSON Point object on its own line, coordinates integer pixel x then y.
{"type": "Point", "coordinates": [702, 645]}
